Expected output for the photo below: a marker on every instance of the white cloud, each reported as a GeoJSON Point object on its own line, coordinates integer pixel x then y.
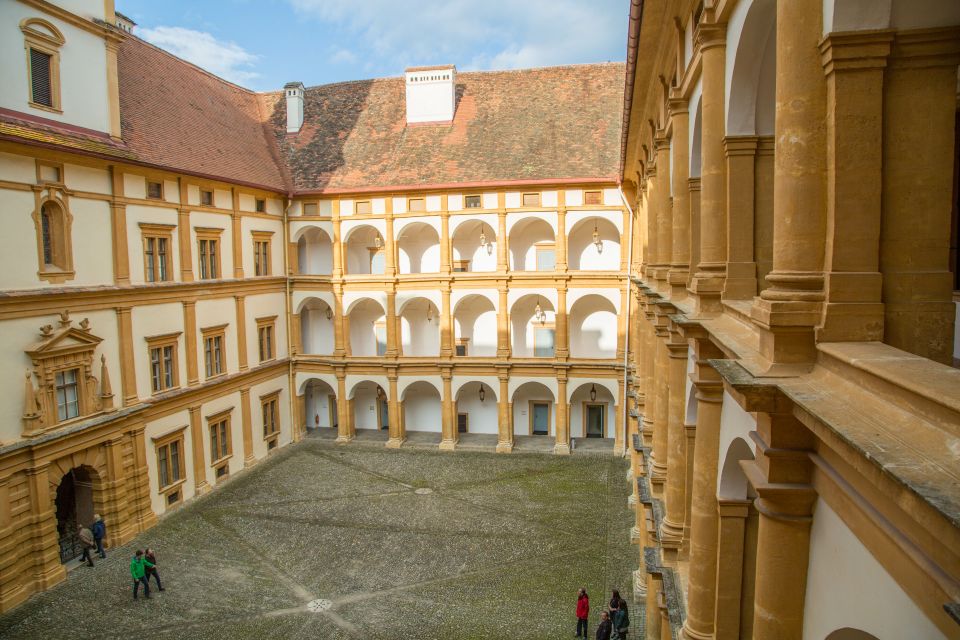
{"type": "Point", "coordinates": [228, 60]}
{"type": "Point", "coordinates": [343, 56]}
{"type": "Point", "coordinates": [506, 33]}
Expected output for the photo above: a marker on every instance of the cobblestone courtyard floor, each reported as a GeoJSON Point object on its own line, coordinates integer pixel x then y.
{"type": "Point", "coordinates": [495, 549]}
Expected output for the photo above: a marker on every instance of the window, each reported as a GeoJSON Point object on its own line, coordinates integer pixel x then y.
{"type": "Point", "coordinates": [163, 362]}
{"type": "Point", "coordinates": [214, 358]}
{"type": "Point", "coordinates": [416, 204]}
{"type": "Point", "coordinates": [154, 190]}
{"type": "Point", "coordinates": [68, 398]}
{"type": "Point", "coordinates": [531, 199]}
{"type": "Point", "coordinates": [42, 41]}
{"type": "Point", "coordinates": [266, 328]}
{"type": "Point", "coordinates": [260, 205]}
{"type": "Point", "coordinates": [461, 266]}
{"type": "Point", "coordinates": [268, 407]}
{"type": "Point", "coordinates": [377, 260]}
{"type": "Point", "coordinates": [221, 447]}
{"type": "Point", "coordinates": [546, 257]}
{"type": "Point", "coordinates": [592, 197]}
{"type": "Point", "coordinates": [543, 338]}
{"type": "Point", "coordinates": [261, 252]}
{"type": "Point", "coordinates": [206, 198]}
{"type": "Point", "coordinates": [310, 208]}
{"type": "Point", "coordinates": [208, 244]}
{"type": "Point", "coordinates": [461, 346]}
{"type": "Point", "coordinates": [54, 251]}
{"type": "Point", "coordinates": [157, 241]}
{"type": "Point", "coordinates": [472, 202]}
{"type": "Point", "coordinates": [170, 462]}
{"type": "Point", "coordinates": [380, 335]}
{"type": "Point", "coordinates": [49, 173]}
{"type": "Point", "coordinates": [362, 206]}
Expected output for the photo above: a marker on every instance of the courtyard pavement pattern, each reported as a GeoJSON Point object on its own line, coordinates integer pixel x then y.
{"type": "Point", "coordinates": [495, 549]}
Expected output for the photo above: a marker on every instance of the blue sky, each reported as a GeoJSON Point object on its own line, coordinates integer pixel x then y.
{"type": "Point", "coordinates": [262, 44]}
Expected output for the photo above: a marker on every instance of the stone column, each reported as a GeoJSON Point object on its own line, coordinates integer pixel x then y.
{"type": "Point", "coordinates": [708, 281]}
{"type": "Point", "coordinates": [118, 228]}
{"type": "Point", "coordinates": [504, 425]}
{"type": "Point", "coordinates": [693, 186]}
{"type": "Point", "coordinates": [396, 430]}
{"type": "Point", "coordinates": [448, 441]}
{"type": "Point", "coordinates": [625, 240]}
{"type": "Point", "coordinates": [561, 262]}
{"type": "Point", "coordinates": [115, 509]}
{"type": "Point", "coordinates": [199, 455]}
{"type": "Point", "coordinates": [139, 497]}
{"type": "Point", "coordinates": [664, 213]}
{"type": "Point", "coordinates": [337, 248]}
{"type": "Point", "coordinates": [731, 515]}
{"type": "Point", "coordinates": [562, 342]}
{"type": "Point", "coordinates": [619, 443]}
{"type": "Point", "coordinates": [241, 315]}
{"type": "Point", "coordinates": [503, 264]}
{"type": "Point", "coordinates": [503, 324]}
{"type": "Point", "coordinates": [659, 454]}
{"type": "Point", "coordinates": [702, 577]}
{"type": "Point", "coordinates": [680, 235]}
{"type": "Point", "coordinates": [236, 235]}
{"type": "Point", "coordinates": [344, 431]}
{"type": "Point", "coordinates": [339, 335]}
{"type": "Point", "coordinates": [651, 256]}
{"type": "Point", "coordinates": [190, 340]}
{"type": "Point", "coordinates": [296, 334]}
{"type": "Point", "coordinates": [790, 307]}
{"type": "Point", "coordinates": [128, 369]}
{"type": "Point", "coordinates": [393, 342]}
{"type": "Point", "coordinates": [649, 371]}
{"type": "Point", "coordinates": [184, 237]}
{"type": "Point", "coordinates": [562, 445]}
{"type": "Point", "coordinates": [445, 252]}
{"type": "Point", "coordinates": [389, 243]}
{"type": "Point", "coordinates": [446, 322]}
{"type": "Point", "coordinates": [247, 424]}
{"type": "Point", "coordinates": [671, 528]}
{"type": "Point", "coordinates": [741, 153]}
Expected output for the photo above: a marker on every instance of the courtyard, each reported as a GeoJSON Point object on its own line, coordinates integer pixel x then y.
{"type": "Point", "coordinates": [328, 541]}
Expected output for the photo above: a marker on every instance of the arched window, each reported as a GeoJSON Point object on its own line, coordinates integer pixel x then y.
{"type": "Point", "coordinates": [53, 242]}
{"type": "Point", "coordinates": [42, 42]}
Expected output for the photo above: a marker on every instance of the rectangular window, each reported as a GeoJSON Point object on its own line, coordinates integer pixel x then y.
{"type": "Point", "coordinates": [155, 190]}
{"type": "Point", "coordinates": [67, 392]}
{"type": "Point", "coordinates": [472, 202]}
{"type": "Point", "coordinates": [49, 173]}
{"type": "Point", "coordinates": [310, 208]}
{"type": "Point", "coordinates": [531, 199]}
{"type": "Point", "coordinates": [416, 204]}
{"type": "Point", "coordinates": [380, 335]}
{"type": "Point", "coordinates": [261, 252]}
{"type": "Point", "coordinates": [543, 338]}
{"type": "Point", "coordinates": [157, 241]}
{"type": "Point", "coordinates": [260, 205]}
{"type": "Point", "coordinates": [41, 78]}
{"type": "Point", "coordinates": [163, 362]}
{"type": "Point", "coordinates": [268, 407]}
{"type": "Point", "coordinates": [208, 252]}
{"type": "Point", "coordinates": [214, 358]}
{"type": "Point", "coordinates": [206, 198]}
{"type": "Point", "coordinates": [170, 461]}
{"type": "Point", "coordinates": [362, 207]}
{"type": "Point", "coordinates": [592, 197]}
{"type": "Point", "coordinates": [266, 328]}
{"type": "Point", "coordinates": [220, 445]}
{"type": "Point", "coordinates": [461, 266]}
{"type": "Point", "coordinates": [461, 346]}
{"type": "Point", "coordinates": [546, 257]}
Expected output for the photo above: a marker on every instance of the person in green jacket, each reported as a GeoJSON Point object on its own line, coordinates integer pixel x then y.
{"type": "Point", "coordinates": [138, 569]}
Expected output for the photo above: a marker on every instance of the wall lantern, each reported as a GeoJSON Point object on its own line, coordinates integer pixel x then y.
{"type": "Point", "coordinates": [377, 242]}
{"type": "Point", "coordinates": [597, 242]}
{"type": "Point", "coordinates": [593, 393]}
{"type": "Point", "coordinates": [429, 312]}
{"type": "Point", "coordinates": [379, 393]}
{"type": "Point", "coordinates": [538, 313]}
{"type": "Point", "coordinates": [328, 313]}
{"type": "Point", "coordinates": [483, 238]}
{"type": "Point", "coordinates": [483, 394]}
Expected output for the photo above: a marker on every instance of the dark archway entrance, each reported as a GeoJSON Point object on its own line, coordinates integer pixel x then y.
{"type": "Point", "coordinates": [74, 504]}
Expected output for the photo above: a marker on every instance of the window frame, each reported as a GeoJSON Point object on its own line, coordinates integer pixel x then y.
{"type": "Point", "coordinates": [159, 183]}
{"type": "Point", "coordinates": [599, 195]}
{"type": "Point", "coordinates": [356, 207]}
{"type": "Point", "coordinates": [150, 230]}
{"type": "Point", "coordinates": [211, 334]}
{"type": "Point", "coordinates": [543, 247]}
{"type": "Point", "coordinates": [264, 324]}
{"type": "Point", "coordinates": [175, 437]}
{"type": "Point", "coordinates": [260, 205]}
{"type": "Point", "coordinates": [549, 415]}
{"type": "Point", "coordinates": [160, 342]}
{"type": "Point", "coordinates": [525, 195]}
{"type": "Point", "coordinates": [214, 422]}
{"type": "Point", "coordinates": [461, 266]}
{"type": "Point", "coordinates": [206, 263]}
{"type": "Point", "coordinates": [48, 44]}
{"type": "Point", "coordinates": [421, 199]}
{"type": "Point", "coordinates": [479, 198]}
{"type": "Point", "coordinates": [53, 230]}
{"type": "Point", "coordinates": [272, 400]}
{"type": "Point", "coordinates": [551, 326]}
{"type": "Point", "coordinates": [262, 263]}
{"type": "Point", "coordinates": [203, 196]}
{"type": "Point", "coordinates": [316, 208]}
{"type": "Point", "coordinates": [78, 389]}
{"type": "Point", "coordinates": [462, 343]}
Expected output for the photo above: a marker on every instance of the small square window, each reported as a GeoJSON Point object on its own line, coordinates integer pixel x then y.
{"type": "Point", "coordinates": [173, 498]}
{"type": "Point", "coordinates": [461, 266]}
{"type": "Point", "coordinates": [362, 207]}
{"type": "Point", "coordinates": [472, 202]}
{"type": "Point", "coordinates": [154, 190]}
{"type": "Point", "coordinates": [50, 173]}
{"type": "Point", "coordinates": [261, 205]}
{"type": "Point", "coordinates": [531, 199]}
{"type": "Point", "coordinates": [592, 197]}
{"type": "Point", "coordinates": [416, 204]}
{"type": "Point", "coordinates": [206, 198]}
{"type": "Point", "coordinates": [310, 208]}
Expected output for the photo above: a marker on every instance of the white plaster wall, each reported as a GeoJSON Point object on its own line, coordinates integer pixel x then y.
{"type": "Point", "coordinates": [92, 242]}
{"type": "Point", "coordinates": [593, 334]}
{"type": "Point", "coordinates": [490, 200]}
{"type": "Point", "coordinates": [573, 198]}
{"type": "Point", "coordinates": [422, 408]}
{"type": "Point", "coordinates": [346, 208]}
{"type": "Point", "coordinates": [299, 227]}
{"type": "Point", "coordinates": [582, 395]}
{"type": "Point", "coordinates": [134, 185]}
{"type": "Point", "coordinates": [433, 203]}
{"type": "Point", "coordinates": [155, 320]}
{"type": "Point", "coordinates": [261, 306]}
{"type": "Point", "coordinates": [222, 199]}
{"type": "Point", "coordinates": [90, 179]}
{"type": "Point", "coordinates": [249, 224]}
{"type": "Point", "coordinates": [582, 254]}
{"type": "Point", "coordinates": [193, 194]}
{"type": "Point", "coordinates": [83, 70]}
{"type": "Point", "coordinates": [317, 403]}
{"type": "Point", "coordinates": [693, 137]}
{"type": "Point", "coordinates": [521, 409]}
{"type": "Point", "coordinates": [847, 587]}
{"type": "Point", "coordinates": [734, 423]}
{"type": "Point", "coordinates": [152, 432]}
{"type": "Point", "coordinates": [690, 393]}
{"type": "Point", "coordinates": [301, 378]}
{"type": "Point", "coordinates": [752, 23]}
{"type": "Point", "coordinates": [611, 197]}
{"type": "Point", "coordinates": [315, 254]}
{"type": "Point", "coordinates": [365, 407]}
{"type": "Point", "coordinates": [256, 414]}
{"type": "Point", "coordinates": [482, 416]}
{"type": "Point", "coordinates": [476, 320]}
{"type": "Point", "coordinates": [455, 202]}
{"type": "Point", "coordinates": [211, 313]}
{"type": "Point", "coordinates": [378, 206]}
{"type": "Point", "coordinates": [362, 337]}
{"type": "Point", "coordinates": [19, 261]}
{"type": "Point", "coordinates": [418, 336]}
{"type": "Point", "coordinates": [688, 42]}
{"type": "Point", "coordinates": [171, 191]}
{"type": "Point", "coordinates": [316, 332]}
{"type": "Point", "coordinates": [16, 168]}
{"type": "Point", "coordinates": [522, 242]}
{"type": "Point", "coordinates": [512, 199]}
{"type": "Point", "coordinates": [418, 252]}
{"type": "Point", "coordinates": [549, 199]}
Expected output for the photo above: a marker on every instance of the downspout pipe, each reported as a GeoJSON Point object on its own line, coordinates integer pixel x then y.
{"type": "Point", "coordinates": [626, 336]}
{"type": "Point", "coordinates": [291, 382]}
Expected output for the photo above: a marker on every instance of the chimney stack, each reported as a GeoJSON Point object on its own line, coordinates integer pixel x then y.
{"type": "Point", "coordinates": [431, 94]}
{"type": "Point", "coordinates": [294, 92]}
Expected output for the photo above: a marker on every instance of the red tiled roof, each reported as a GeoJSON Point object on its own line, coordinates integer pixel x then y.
{"type": "Point", "coordinates": [176, 115]}
{"type": "Point", "coordinates": [555, 123]}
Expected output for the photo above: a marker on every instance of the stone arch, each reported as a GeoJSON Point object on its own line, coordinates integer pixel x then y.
{"type": "Point", "coordinates": [586, 418]}
{"type": "Point", "coordinates": [367, 322]}
{"type": "Point", "coordinates": [751, 68]}
{"type": "Point", "coordinates": [419, 327]}
{"type": "Point", "coordinates": [582, 252]}
{"type": "Point", "coordinates": [319, 403]}
{"type": "Point", "coordinates": [525, 329]}
{"type": "Point", "coordinates": [370, 409]}
{"type": "Point", "coordinates": [77, 492]}
{"type": "Point", "coordinates": [480, 416]}
{"type": "Point", "coordinates": [418, 248]}
{"type": "Point", "coordinates": [734, 484]}
{"type": "Point", "coordinates": [316, 326]}
{"type": "Point", "coordinates": [362, 255]}
{"type": "Point", "coordinates": [696, 124]}
{"type": "Point", "coordinates": [593, 327]}
{"type": "Point", "coordinates": [525, 235]}
{"type": "Point", "coordinates": [475, 325]}
{"type": "Point", "coordinates": [421, 406]}
{"type": "Point", "coordinates": [314, 251]}
{"type": "Point", "coordinates": [534, 407]}
{"type": "Point", "coordinates": [849, 633]}
{"type": "Point", "coordinates": [468, 251]}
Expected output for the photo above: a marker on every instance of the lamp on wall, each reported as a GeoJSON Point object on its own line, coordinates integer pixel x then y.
{"type": "Point", "coordinates": [483, 394]}
{"type": "Point", "coordinates": [377, 242]}
{"type": "Point", "coordinates": [593, 392]}
{"type": "Point", "coordinates": [483, 237]}
{"type": "Point", "coordinates": [429, 312]}
{"type": "Point", "coordinates": [379, 393]}
{"type": "Point", "coordinates": [597, 242]}
{"type": "Point", "coordinates": [538, 312]}
{"type": "Point", "coordinates": [328, 313]}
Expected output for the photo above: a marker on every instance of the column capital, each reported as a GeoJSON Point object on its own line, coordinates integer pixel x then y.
{"type": "Point", "coordinates": [740, 145]}
{"type": "Point", "coordinates": [855, 50]}
{"type": "Point", "coordinates": [677, 105]}
{"type": "Point", "coordinates": [926, 48]}
{"type": "Point", "coordinates": [710, 35]}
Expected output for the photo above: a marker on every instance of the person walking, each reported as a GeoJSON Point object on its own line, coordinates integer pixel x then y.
{"type": "Point", "coordinates": [86, 539]}
{"type": "Point", "coordinates": [99, 530]}
{"type": "Point", "coordinates": [138, 570]}
{"type": "Point", "coordinates": [605, 627]}
{"type": "Point", "coordinates": [151, 558]}
{"type": "Point", "coordinates": [619, 617]}
{"type": "Point", "coordinates": [583, 612]}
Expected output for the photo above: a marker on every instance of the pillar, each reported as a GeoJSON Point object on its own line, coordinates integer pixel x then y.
{"type": "Point", "coordinates": [448, 425]}
{"type": "Point", "coordinates": [445, 248]}
{"type": "Point", "coordinates": [503, 324]}
{"type": "Point", "coordinates": [139, 498]}
{"type": "Point", "coordinates": [693, 187]}
{"type": "Point", "coordinates": [190, 340]}
{"type": "Point", "coordinates": [671, 528]}
{"type": "Point", "coordinates": [184, 237]}
{"type": "Point", "coordinates": [344, 431]}
{"type": "Point", "coordinates": [562, 446]}
{"type": "Point", "coordinates": [620, 444]}
{"type": "Point", "coordinates": [337, 248]}
{"type": "Point", "coordinates": [200, 484]}
{"type": "Point", "coordinates": [649, 371]}
{"type": "Point", "coordinates": [247, 425]}
{"type": "Point", "coordinates": [659, 454]}
{"type": "Point", "coordinates": [396, 430]}
{"type": "Point", "coordinates": [240, 304]}
{"type": "Point", "coordinates": [789, 308]}
{"type": "Point", "coordinates": [41, 537]}
{"type": "Point", "coordinates": [393, 347]}
{"type": "Point", "coordinates": [503, 264]}
{"type": "Point", "coordinates": [664, 212]}
{"type": "Point", "coordinates": [561, 262]}
{"type": "Point", "coordinates": [504, 410]}
{"type": "Point", "coordinates": [339, 335]}
{"type": "Point", "coordinates": [731, 518]}
{"type": "Point", "coordinates": [679, 175]}
{"type": "Point", "coordinates": [389, 243]}
{"type": "Point", "coordinates": [236, 235]}
{"type": "Point", "coordinates": [562, 343]}
{"type": "Point", "coordinates": [707, 283]}
{"type": "Point", "coordinates": [446, 322]}
{"type": "Point", "coordinates": [116, 513]}
{"type": "Point", "coordinates": [741, 154]}
{"type": "Point", "coordinates": [118, 227]}
{"type": "Point", "coordinates": [128, 369]}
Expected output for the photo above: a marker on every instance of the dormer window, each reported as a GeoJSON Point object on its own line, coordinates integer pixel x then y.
{"type": "Point", "coordinates": [43, 41]}
{"type": "Point", "coordinates": [154, 190]}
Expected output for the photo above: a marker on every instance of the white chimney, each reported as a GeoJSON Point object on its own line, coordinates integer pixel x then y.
{"type": "Point", "coordinates": [294, 91]}
{"type": "Point", "coordinates": [431, 93]}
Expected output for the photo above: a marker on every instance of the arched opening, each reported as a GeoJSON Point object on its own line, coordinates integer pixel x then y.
{"type": "Point", "coordinates": [316, 327]}
{"type": "Point", "coordinates": [532, 246]}
{"type": "Point", "coordinates": [419, 328]}
{"type": "Point", "coordinates": [848, 633]}
{"type": "Point", "coordinates": [74, 504]}
{"type": "Point", "coordinates": [320, 405]}
{"type": "Point", "coordinates": [418, 249]}
{"type": "Point", "coordinates": [477, 408]}
{"type": "Point", "coordinates": [365, 251]}
{"type": "Point", "coordinates": [367, 328]}
{"type": "Point", "coordinates": [474, 247]}
{"type": "Point", "coordinates": [53, 240]}
{"type": "Point", "coordinates": [475, 327]}
{"type": "Point", "coordinates": [593, 244]}
{"type": "Point", "coordinates": [421, 407]}
{"type": "Point", "coordinates": [370, 406]}
{"type": "Point", "coordinates": [314, 252]}
{"type": "Point", "coordinates": [533, 410]}
{"type": "Point", "coordinates": [533, 320]}
{"type": "Point", "coordinates": [592, 412]}
{"type": "Point", "coordinates": [593, 328]}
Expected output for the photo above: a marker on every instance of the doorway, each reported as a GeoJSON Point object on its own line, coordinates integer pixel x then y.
{"type": "Point", "coordinates": [540, 418]}
{"type": "Point", "coordinates": [74, 503]}
{"type": "Point", "coordinates": [383, 414]}
{"type": "Point", "coordinates": [332, 409]}
{"type": "Point", "coordinates": [594, 419]}
{"type": "Point", "coordinates": [462, 423]}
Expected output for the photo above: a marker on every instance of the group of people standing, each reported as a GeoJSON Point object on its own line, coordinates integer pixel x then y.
{"type": "Point", "coordinates": [614, 620]}
{"type": "Point", "coordinates": [143, 565]}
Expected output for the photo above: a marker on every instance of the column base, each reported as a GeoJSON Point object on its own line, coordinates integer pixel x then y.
{"type": "Point", "coordinates": [671, 535]}
{"type": "Point", "coordinates": [343, 439]}
{"type": "Point", "coordinates": [504, 447]}
{"type": "Point", "coordinates": [639, 584]}
{"type": "Point", "coordinates": [634, 535]}
{"type": "Point", "coordinates": [448, 445]}
{"type": "Point", "coordinates": [632, 500]}
{"type": "Point", "coordinates": [686, 633]}
{"type": "Point", "coordinates": [629, 475]}
{"type": "Point", "coordinates": [249, 461]}
{"type": "Point", "coordinates": [561, 449]}
{"type": "Point", "coordinates": [202, 489]}
{"type": "Point", "coordinates": [395, 443]}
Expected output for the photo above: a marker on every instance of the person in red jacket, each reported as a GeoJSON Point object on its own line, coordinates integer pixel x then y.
{"type": "Point", "coordinates": [583, 612]}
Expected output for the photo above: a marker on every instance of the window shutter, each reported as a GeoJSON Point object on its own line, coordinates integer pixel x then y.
{"type": "Point", "coordinates": [40, 77]}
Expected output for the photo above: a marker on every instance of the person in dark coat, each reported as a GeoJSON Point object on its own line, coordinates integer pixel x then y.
{"type": "Point", "coordinates": [86, 540]}
{"type": "Point", "coordinates": [151, 568]}
{"type": "Point", "coordinates": [99, 531]}
{"type": "Point", "coordinates": [605, 626]}
{"type": "Point", "coordinates": [583, 612]}
{"type": "Point", "coordinates": [619, 617]}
